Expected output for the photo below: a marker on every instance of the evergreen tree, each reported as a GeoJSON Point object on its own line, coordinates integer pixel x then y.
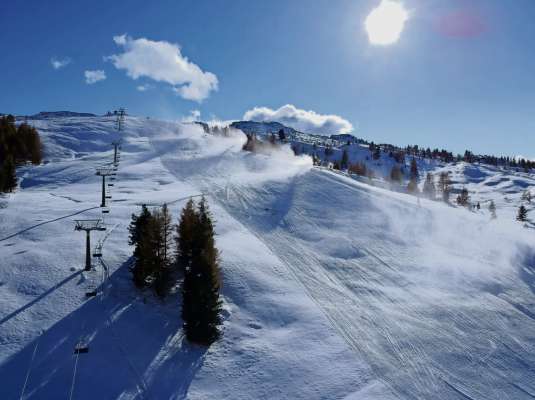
{"type": "Point", "coordinates": [522, 214]}
{"type": "Point", "coordinates": [162, 236]}
{"type": "Point", "coordinates": [463, 198]}
{"type": "Point", "coordinates": [376, 153]}
{"type": "Point", "coordinates": [444, 184]}
{"type": "Point", "coordinates": [412, 187]}
{"type": "Point", "coordinates": [396, 175]}
{"type": "Point", "coordinates": [9, 175]}
{"type": "Point", "coordinates": [429, 186]}
{"type": "Point", "coordinates": [201, 306]}
{"type": "Point", "coordinates": [185, 232]}
{"type": "Point", "coordinates": [492, 209]}
{"type": "Point", "coordinates": [345, 160]}
{"type": "Point", "coordinates": [139, 230]}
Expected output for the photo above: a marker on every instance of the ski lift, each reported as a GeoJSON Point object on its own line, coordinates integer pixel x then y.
{"type": "Point", "coordinates": [108, 197]}
{"type": "Point", "coordinates": [111, 184]}
{"type": "Point", "coordinates": [101, 228]}
{"type": "Point", "coordinates": [92, 293]}
{"type": "Point", "coordinates": [97, 253]}
{"type": "Point", "coordinates": [81, 349]}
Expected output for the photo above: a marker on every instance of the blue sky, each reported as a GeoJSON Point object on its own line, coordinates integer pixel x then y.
{"type": "Point", "coordinates": [462, 74]}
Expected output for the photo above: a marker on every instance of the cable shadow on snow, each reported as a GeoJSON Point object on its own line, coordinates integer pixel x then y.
{"type": "Point", "coordinates": [136, 349]}
{"type": "Point", "coordinates": [39, 298]}
{"type": "Point", "coordinates": [45, 222]}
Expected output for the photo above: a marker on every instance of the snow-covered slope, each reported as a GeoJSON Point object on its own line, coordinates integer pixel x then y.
{"type": "Point", "coordinates": [333, 288]}
{"type": "Point", "coordinates": [276, 342]}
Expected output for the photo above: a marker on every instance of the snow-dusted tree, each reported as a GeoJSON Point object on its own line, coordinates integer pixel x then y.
{"type": "Point", "coordinates": [376, 153]}
{"type": "Point", "coordinates": [412, 187]}
{"type": "Point", "coordinates": [396, 175]}
{"type": "Point", "coordinates": [429, 186]}
{"type": "Point", "coordinates": [492, 209]}
{"type": "Point", "coordinates": [522, 214]}
{"type": "Point", "coordinates": [463, 198]}
{"type": "Point", "coordinates": [444, 185]}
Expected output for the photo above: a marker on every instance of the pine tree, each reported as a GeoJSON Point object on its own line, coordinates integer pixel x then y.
{"type": "Point", "coordinates": [139, 230]}
{"type": "Point", "coordinates": [201, 306]}
{"type": "Point", "coordinates": [444, 184]}
{"type": "Point", "coordinates": [412, 187]}
{"type": "Point", "coordinates": [463, 198]}
{"type": "Point", "coordinates": [345, 160]}
{"type": "Point", "coordinates": [522, 214]}
{"type": "Point", "coordinates": [492, 209]}
{"type": "Point", "coordinates": [163, 272]}
{"type": "Point", "coordinates": [429, 186]}
{"type": "Point", "coordinates": [9, 175]}
{"type": "Point", "coordinates": [185, 232]}
{"type": "Point", "coordinates": [376, 153]}
{"type": "Point", "coordinates": [396, 175]}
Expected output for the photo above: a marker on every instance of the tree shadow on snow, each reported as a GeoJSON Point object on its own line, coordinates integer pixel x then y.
{"type": "Point", "coordinates": [135, 346]}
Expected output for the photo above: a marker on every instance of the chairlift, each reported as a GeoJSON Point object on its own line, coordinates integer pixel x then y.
{"type": "Point", "coordinates": [107, 197]}
{"type": "Point", "coordinates": [101, 228]}
{"type": "Point", "coordinates": [97, 253]}
{"type": "Point", "coordinates": [81, 349]}
{"type": "Point", "coordinates": [92, 293]}
{"type": "Point", "coordinates": [111, 184]}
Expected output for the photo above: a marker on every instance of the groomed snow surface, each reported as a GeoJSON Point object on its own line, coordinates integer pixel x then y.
{"type": "Point", "coordinates": [333, 289]}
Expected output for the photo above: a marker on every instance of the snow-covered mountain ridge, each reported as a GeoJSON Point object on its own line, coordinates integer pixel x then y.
{"type": "Point", "coordinates": [333, 288]}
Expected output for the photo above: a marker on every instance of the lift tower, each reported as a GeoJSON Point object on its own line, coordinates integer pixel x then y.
{"type": "Point", "coordinates": [88, 225]}
{"type": "Point", "coordinates": [116, 146]}
{"type": "Point", "coordinates": [104, 172]}
{"type": "Point", "coordinates": [121, 116]}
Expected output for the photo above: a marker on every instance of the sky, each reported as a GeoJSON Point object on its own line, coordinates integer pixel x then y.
{"type": "Point", "coordinates": [460, 76]}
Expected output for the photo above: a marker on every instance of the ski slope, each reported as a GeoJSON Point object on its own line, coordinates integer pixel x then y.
{"type": "Point", "coordinates": [333, 289]}
{"type": "Point", "coordinates": [276, 343]}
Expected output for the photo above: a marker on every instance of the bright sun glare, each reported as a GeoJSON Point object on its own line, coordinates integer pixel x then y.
{"type": "Point", "coordinates": [385, 23]}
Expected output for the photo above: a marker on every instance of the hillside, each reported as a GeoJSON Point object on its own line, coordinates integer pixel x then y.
{"type": "Point", "coordinates": [334, 288]}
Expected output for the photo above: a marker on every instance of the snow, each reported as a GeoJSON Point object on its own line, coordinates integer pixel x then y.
{"type": "Point", "coordinates": [333, 288]}
{"type": "Point", "coordinates": [276, 343]}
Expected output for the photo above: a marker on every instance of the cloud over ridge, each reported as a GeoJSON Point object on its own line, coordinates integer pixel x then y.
{"type": "Point", "coordinates": [163, 61]}
{"type": "Point", "coordinates": [302, 120]}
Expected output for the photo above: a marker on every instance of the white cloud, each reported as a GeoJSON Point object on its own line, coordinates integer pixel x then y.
{"type": "Point", "coordinates": [144, 88]}
{"type": "Point", "coordinates": [58, 63]}
{"type": "Point", "coordinates": [194, 115]}
{"type": "Point", "coordinates": [302, 120]}
{"type": "Point", "coordinates": [163, 62]}
{"type": "Point", "coordinates": [94, 76]}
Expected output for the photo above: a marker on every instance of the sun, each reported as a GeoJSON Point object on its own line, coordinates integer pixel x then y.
{"type": "Point", "coordinates": [385, 23]}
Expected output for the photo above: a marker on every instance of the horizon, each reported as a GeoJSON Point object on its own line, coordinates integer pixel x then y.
{"type": "Point", "coordinates": [445, 74]}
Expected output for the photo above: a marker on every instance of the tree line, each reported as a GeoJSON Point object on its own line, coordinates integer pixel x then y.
{"type": "Point", "coordinates": [18, 145]}
{"type": "Point", "coordinates": [165, 252]}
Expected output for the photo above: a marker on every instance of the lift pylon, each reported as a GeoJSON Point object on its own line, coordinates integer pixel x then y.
{"type": "Point", "coordinates": [88, 225]}
{"type": "Point", "coordinates": [104, 172]}
{"type": "Point", "coordinates": [116, 147]}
